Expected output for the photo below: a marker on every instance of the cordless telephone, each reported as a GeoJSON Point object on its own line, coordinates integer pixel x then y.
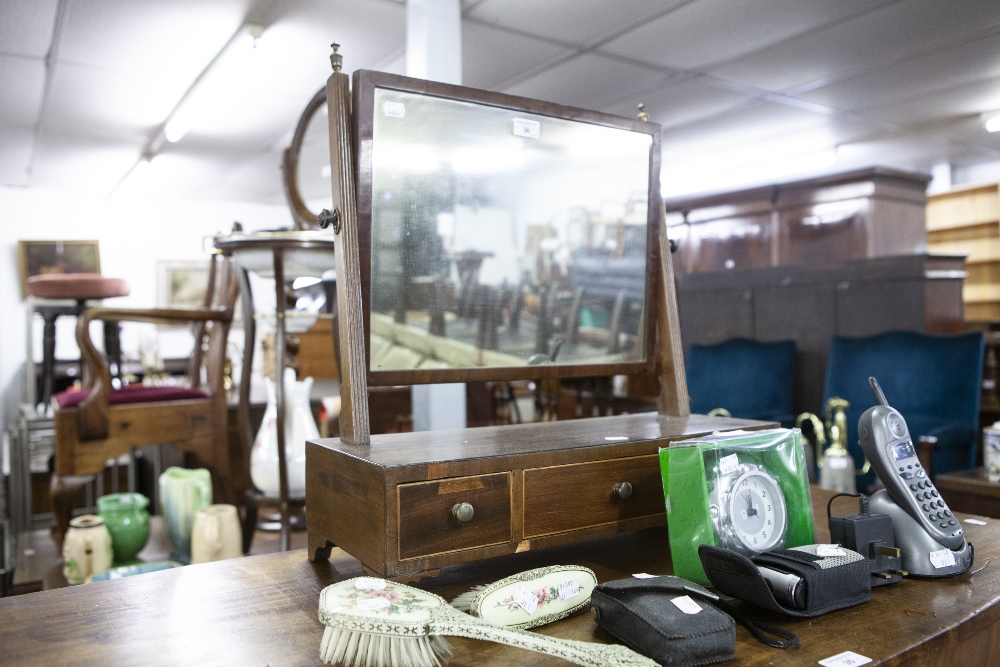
{"type": "Point", "coordinates": [929, 536]}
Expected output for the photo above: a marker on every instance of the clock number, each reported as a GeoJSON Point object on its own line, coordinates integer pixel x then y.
{"type": "Point", "coordinates": [768, 508]}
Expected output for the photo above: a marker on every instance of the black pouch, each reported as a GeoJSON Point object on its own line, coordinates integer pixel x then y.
{"type": "Point", "coordinates": [642, 615]}
{"type": "Point", "coordinates": [827, 582]}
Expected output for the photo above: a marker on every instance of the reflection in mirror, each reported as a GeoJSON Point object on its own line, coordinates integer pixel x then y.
{"type": "Point", "coordinates": [502, 238]}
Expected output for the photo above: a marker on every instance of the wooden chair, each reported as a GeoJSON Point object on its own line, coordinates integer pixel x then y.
{"type": "Point", "coordinates": [100, 422]}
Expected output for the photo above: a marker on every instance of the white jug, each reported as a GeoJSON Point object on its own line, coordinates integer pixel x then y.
{"type": "Point", "coordinates": [299, 427]}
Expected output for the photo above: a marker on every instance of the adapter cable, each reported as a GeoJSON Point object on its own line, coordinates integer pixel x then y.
{"type": "Point", "coordinates": [871, 536]}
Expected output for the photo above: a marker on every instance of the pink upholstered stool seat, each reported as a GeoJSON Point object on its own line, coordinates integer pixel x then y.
{"type": "Point", "coordinates": [78, 286]}
{"type": "Point", "coordinates": [138, 394]}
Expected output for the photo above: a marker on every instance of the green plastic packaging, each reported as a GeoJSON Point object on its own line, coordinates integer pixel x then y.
{"type": "Point", "coordinates": [720, 490]}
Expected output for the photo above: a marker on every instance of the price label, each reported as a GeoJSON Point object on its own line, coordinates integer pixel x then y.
{"type": "Point", "coordinates": [845, 659]}
{"type": "Point", "coordinates": [373, 604]}
{"type": "Point", "coordinates": [394, 109]}
{"type": "Point", "coordinates": [975, 522]}
{"type": "Point", "coordinates": [529, 129]}
{"type": "Point", "coordinates": [829, 550]}
{"type": "Point", "coordinates": [616, 438]}
{"type": "Point", "coordinates": [728, 464]}
{"type": "Point", "coordinates": [569, 589]}
{"type": "Point", "coordinates": [369, 584]}
{"type": "Point", "coordinates": [687, 605]}
{"type": "Point", "coordinates": [525, 599]}
{"type": "Point", "coordinates": [942, 558]}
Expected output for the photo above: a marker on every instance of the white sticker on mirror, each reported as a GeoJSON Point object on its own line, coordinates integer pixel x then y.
{"type": "Point", "coordinates": [529, 129]}
{"type": "Point", "coordinates": [393, 109]}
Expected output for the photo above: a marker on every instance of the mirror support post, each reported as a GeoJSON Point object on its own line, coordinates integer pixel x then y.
{"type": "Point", "coordinates": [674, 400]}
{"type": "Point", "coordinates": [354, 424]}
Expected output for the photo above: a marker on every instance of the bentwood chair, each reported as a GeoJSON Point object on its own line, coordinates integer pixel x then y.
{"type": "Point", "coordinates": [100, 422]}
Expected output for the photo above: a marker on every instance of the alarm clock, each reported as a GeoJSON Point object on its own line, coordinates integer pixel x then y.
{"type": "Point", "coordinates": [748, 510]}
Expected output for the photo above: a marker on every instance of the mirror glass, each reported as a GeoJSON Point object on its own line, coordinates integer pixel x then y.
{"type": "Point", "coordinates": [501, 238]}
{"type": "Point", "coordinates": [313, 169]}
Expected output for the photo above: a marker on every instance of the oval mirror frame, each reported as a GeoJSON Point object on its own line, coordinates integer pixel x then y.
{"type": "Point", "coordinates": [303, 217]}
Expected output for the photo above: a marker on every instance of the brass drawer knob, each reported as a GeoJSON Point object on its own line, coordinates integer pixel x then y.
{"type": "Point", "coordinates": [623, 490]}
{"type": "Point", "coordinates": [463, 512]}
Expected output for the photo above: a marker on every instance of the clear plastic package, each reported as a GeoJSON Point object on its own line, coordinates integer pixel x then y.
{"type": "Point", "coordinates": [746, 491]}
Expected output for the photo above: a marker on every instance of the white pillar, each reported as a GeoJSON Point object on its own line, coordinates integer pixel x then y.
{"type": "Point", "coordinates": [434, 52]}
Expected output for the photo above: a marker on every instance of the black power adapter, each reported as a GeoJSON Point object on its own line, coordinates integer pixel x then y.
{"type": "Point", "coordinates": [871, 536]}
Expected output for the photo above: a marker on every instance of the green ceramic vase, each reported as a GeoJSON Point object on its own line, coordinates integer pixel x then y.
{"type": "Point", "coordinates": [182, 493]}
{"type": "Point", "coordinates": [127, 520]}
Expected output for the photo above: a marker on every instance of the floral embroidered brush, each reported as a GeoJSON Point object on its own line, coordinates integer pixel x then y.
{"type": "Point", "coordinates": [530, 599]}
{"type": "Point", "coordinates": [377, 623]}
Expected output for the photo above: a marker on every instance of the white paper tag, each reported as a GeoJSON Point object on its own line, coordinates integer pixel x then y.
{"type": "Point", "coordinates": [845, 659]}
{"type": "Point", "coordinates": [643, 575]}
{"type": "Point", "coordinates": [525, 599]}
{"type": "Point", "coordinates": [942, 558]}
{"type": "Point", "coordinates": [393, 109]}
{"type": "Point", "coordinates": [569, 589]}
{"type": "Point", "coordinates": [616, 438]}
{"type": "Point", "coordinates": [828, 550]}
{"type": "Point", "coordinates": [369, 584]}
{"type": "Point", "coordinates": [687, 605]}
{"type": "Point", "coordinates": [373, 604]}
{"type": "Point", "coordinates": [728, 464]}
{"type": "Point", "coordinates": [975, 522]}
{"type": "Point", "coordinates": [529, 129]}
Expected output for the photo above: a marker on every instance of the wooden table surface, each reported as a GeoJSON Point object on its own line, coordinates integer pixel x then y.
{"type": "Point", "coordinates": [262, 610]}
{"type": "Point", "coordinates": [970, 491]}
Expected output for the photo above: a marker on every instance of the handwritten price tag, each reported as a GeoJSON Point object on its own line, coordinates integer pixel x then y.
{"type": "Point", "coordinates": [828, 550]}
{"type": "Point", "coordinates": [369, 584]}
{"type": "Point", "coordinates": [394, 109]}
{"type": "Point", "coordinates": [687, 605]}
{"type": "Point", "coordinates": [845, 659]}
{"type": "Point", "coordinates": [529, 129]}
{"type": "Point", "coordinates": [728, 464]}
{"type": "Point", "coordinates": [373, 604]}
{"type": "Point", "coordinates": [942, 558]}
{"type": "Point", "coordinates": [525, 599]}
{"type": "Point", "coordinates": [569, 589]}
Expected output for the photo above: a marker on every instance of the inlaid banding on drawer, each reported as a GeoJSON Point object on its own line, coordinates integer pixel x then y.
{"type": "Point", "coordinates": [582, 495]}
{"type": "Point", "coordinates": [427, 525]}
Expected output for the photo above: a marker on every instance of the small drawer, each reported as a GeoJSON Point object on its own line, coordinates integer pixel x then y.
{"type": "Point", "coordinates": [427, 521]}
{"type": "Point", "coordinates": [570, 497]}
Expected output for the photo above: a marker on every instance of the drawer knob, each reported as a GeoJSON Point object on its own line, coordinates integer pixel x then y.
{"type": "Point", "coordinates": [623, 490]}
{"type": "Point", "coordinates": [463, 512]}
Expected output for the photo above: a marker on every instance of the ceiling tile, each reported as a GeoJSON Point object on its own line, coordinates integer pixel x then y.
{"type": "Point", "coordinates": [589, 81]}
{"type": "Point", "coordinates": [26, 27]}
{"type": "Point", "coordinates": [576, 22]}
{"type": "Point", "coordinates": [893, 32]}
{"type": "Point", "coordinates": [72, 162]}
{"type": "Point", "coordinates": [683, 102]}
{"type": "Point", "coordinates": [711, 31]}
{"type": "Point", "coordinates": [943, 69]}
{"type": "Point", "coordinates": [740, 127]}
{"type": "Point", "coordinates": [22, 81]}
{"type": "Point", "coordinates": [15, 154]}
{"type": "Point", "coordinates": [943, 106]}
{"type": "Point", "coordinates": [102, 101]}
{"type": "Point", "coordinates": [492, 57]}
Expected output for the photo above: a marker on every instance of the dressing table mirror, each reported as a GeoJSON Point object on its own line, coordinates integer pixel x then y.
{"type": "Point", "coordinates": [482, 236]}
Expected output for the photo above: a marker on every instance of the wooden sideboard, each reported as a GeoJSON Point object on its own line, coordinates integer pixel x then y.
{"type": "Point", "coordinates": [409, 503]}
{"type": "Point", "coordinates": [263, 610]}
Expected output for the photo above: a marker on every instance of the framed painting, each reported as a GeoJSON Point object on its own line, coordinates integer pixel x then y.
{"type": "Point", "coordinates": [39, 257]}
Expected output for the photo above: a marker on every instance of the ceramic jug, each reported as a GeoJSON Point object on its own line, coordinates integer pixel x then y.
{"type": "Point", "coordinates": [217, 534]}
{"type": "Point", "coordinates": [127, 520]}
{"type": "Point", "coordinates": [299, 427]}
{"type": "Point", "coordinates": [86, 548]}
{"type": "Point", "coordinates": [182, 493]}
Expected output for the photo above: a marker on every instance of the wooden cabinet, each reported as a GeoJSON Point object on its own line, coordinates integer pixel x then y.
{"type": "Point", "coordinates": [391, 504]}
{"type": "Point", "coordinates": [966, 221]}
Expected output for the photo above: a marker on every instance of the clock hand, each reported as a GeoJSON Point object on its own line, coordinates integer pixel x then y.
{"type": "Point", "coordinates": [750, 510]}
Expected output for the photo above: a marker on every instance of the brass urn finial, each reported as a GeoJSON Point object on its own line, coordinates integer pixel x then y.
{"type": "Point", "coordinates": [336, 60]}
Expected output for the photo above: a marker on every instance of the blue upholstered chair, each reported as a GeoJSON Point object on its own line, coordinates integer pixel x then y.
{"type": "Point", "coordinates": [934, 382]}
{"type": "Point", "coordinates": [748, 378]}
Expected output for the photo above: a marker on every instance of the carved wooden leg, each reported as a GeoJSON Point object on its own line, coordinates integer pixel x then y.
{"type": "Point", "coordinates": [61, 491]}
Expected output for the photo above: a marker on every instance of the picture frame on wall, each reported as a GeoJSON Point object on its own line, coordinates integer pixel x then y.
{"type": "Point", "coordinates": [41, 257]}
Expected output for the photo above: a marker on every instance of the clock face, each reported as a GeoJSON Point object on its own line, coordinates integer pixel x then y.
{"type": "Point", "coordinates": [757, 511]}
